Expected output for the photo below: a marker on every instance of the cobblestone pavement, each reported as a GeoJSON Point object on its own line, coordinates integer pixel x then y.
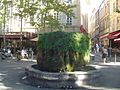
{"type": "Point", "coordinates": [110, 72]}
{"type": "Point", "coordinates": [11, 72]}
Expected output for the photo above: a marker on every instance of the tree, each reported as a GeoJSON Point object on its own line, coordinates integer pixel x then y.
{"type": "Point", "coordinates": [1, 21]}
{"type": "Point", "coordinates": [41, 12]}
{"type": "Point", "coordinates": [20, 6]}
{"type": "Point", "coordinates": [4, 5]}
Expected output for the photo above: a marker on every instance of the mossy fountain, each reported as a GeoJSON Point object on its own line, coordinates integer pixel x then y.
{"type": "Point", "coordinates": [62, 60]}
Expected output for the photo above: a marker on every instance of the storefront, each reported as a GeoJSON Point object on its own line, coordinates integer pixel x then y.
{"type": "Point", "coordinates": [13, 39]}
{"type": "Point", "coordinates": [114, 39]}
{"type": "Point", "coordinates": [104, 39]}
{"type": "Point", "coordinates": [111, 38]}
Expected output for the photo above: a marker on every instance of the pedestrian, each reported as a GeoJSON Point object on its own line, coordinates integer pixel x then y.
{"type": "Point", "coordinates": [109, 51]}
{"type": "Point", "coordinates": [9, 53]}
{"type": "Point", "coordinates": [23, 53]}
{"type": "Point", "coordinates": [30, 52]}
{"type": "Point", "coordinates": [104, 54]}
{"type": "Point", "coordinates": [97, 47]}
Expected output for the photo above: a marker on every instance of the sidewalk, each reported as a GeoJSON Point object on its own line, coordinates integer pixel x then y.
{"type": "Point", "coordinates": [98, 59]}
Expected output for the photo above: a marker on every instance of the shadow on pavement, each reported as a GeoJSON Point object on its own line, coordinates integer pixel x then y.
{"type": "Point", "coordinates": [109, 79]}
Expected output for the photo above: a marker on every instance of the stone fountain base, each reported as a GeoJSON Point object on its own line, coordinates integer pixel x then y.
{"type": "Point", "coordinates": [60, 80]}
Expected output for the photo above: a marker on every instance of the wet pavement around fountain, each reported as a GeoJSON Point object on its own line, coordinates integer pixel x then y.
{"type": "Point", "coordinates": [12, 71]}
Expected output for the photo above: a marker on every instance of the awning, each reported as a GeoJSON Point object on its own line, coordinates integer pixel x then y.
{"type": "Point", "coordinates": [82, 30]}
{"type": "Point", "coordinates": [34, 39]}
{"type": "Point", "coordinates": [112, 35]}
{"type": "Point", "coordinates": [118, 39]}
{"type": "Point", "coordinates": [117, 34]}
{"type": "Point", "coordinates": [104, 36]}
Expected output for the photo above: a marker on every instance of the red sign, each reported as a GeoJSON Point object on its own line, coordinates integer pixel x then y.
{"type": "Point", "coordinates": [82, 30]}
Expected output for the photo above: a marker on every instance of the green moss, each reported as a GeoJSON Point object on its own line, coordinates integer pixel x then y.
{"type": "Point", "coordinates": [63, 51]}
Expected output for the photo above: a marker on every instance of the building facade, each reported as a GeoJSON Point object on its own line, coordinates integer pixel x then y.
{"type": "Point", "coordinates": [92, 32]}
{"type": "Point", "coordinates": [107, 22]}
{"type": "Point", "coordinates": [13, 23]}
{"type": "Point", "coordinates": [104, 21]}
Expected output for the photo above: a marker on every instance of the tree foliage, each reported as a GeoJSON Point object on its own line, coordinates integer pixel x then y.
{"type": "Point", "coordinates": [4, 5]}
{"type": "Point", "coordinates": [20, 8]}
{"type": "Point", "coordinates": [41, 12]}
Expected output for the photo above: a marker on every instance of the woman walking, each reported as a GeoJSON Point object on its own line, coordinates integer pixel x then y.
{"type": "Point", "coordinates": [104, 53]}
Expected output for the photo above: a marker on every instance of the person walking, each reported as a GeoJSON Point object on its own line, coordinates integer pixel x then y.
{"type": "Point", "coordinates": [104, 54]}
{"type": "Point", "coordinates": [97, 47]}
{"type": "Point", "coordinates": [30, 53]}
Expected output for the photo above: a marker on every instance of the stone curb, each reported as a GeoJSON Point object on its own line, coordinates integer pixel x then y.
{"type": "Point", "coordinates": [63, 79]}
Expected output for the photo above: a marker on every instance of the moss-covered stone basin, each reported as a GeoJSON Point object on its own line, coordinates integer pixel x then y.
{"type": "Point", "coordinates": [60, 80]}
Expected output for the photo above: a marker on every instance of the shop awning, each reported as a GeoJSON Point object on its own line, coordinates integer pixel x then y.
{"type": "Point", "coordinates": [118, 39]}
{"type": "Point", "coordinates": [34, 39]}
{"type": "Point", "coordinates": [112, 35]}
{"type": "Point", "coordinates": [117, 34]}
{"type": "Point", "coordinates": [104, 36]}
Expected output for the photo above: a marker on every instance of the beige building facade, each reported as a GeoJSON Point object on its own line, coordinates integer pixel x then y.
{"type": "Point", "coordinates": [13, 23]}
{"type": "Point", "coordinates": [107, 21]}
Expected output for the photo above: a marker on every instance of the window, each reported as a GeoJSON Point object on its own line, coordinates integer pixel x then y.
{"type": "Point", "coordinates": [118, 5]}
{"type": "Point", "coordinates": [56, 15]}
{"type": "Point", "coordinates": [68, 1]}
{"type": "Point", "coordinates": [69, 20]}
